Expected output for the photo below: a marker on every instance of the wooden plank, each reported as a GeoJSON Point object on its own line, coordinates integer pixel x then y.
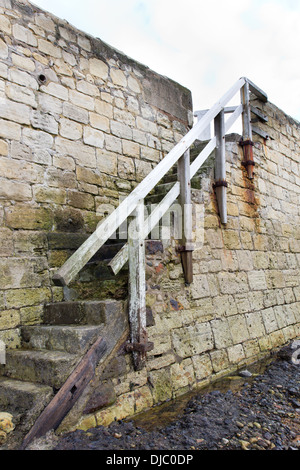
{"type": "Point", "coordinates": [137, 284]}
{"type": "Point", "coordinates": [246, 117]}
{"type": "Point", "coordinates": [69, 393]}
{"type": "Point", "coordinates": [104, 231]}
{"type": "Point", "coordinates": [260, 132]}
{"type": "Point", "coordinates": [257, 91]}
{"type": "Point", "coordinates": [220, 167]}
{"type": "Point", "coordinates": [227, 110]}
{"type": "Point", "coordinates": [186, 210]}
{"type": "Point", "coordinates": [259, 114]}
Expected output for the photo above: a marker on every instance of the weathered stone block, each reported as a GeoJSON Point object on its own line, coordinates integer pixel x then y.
{"type": "Point", "coordinates": [26, 217]}
{"type": "Point", "coordinates": [275, 279]}
{"type": "Point", "coordinates": [17, 298]}
{"type": "Point", "coordinates": [118, 77]}
{"type": "Point", "coordinates": [23, 78]}
{"type": "Point", "coordinates": [6, 242]}
{"type": "Point", "coordinates": [182, 374]}
{"type": "Point", "coordinates": [255, 324]}
{"type": "Point", "coordinates": [5, 24]}
{"type": "Point", "coordinates": [9, 319]}
{"type": "Point", "coordinates": [81, 100]}
{"type": "Point", "coordinates": [257, 280]}
{"type": "Point", "coordinates": [121, 130]}
{"type": "Point", "coordinates": [162, 385]}
{"type": "Point", "coordinates": [45, 22]}
{"type": "Point", "coordinates": [16, 112]}
{"type": "Point", "coordinates": [56, 90]}
{"type": "Point", "coordinates": [221, 333]}
{"type": "Point", "coordinates": [269, 320]}
{"type": "Point", "coordinates": [219, 360]}
{"type": "Point", "coordinates": [238, 328]}
{"type": "Point", "coordinates": [15, 191]}
{"type": "Point", "coordinates": [24, 35]}
{"type": "Point", "coordinates": [231, 240]}
{"type": "Point", "coordinates": [75, 113]}
{"type": "Point", "coordinates": [143, 398]}
{"type": "Point", "coordinates": [202, 366]}
{"type": "Point", "coordinates": [200, 287]}
{"type": "Point", "coordinates": [98, 68]}
{"type": "Point", "coordinates": [51, 195]}
{"type": "Point", "coordinates": [30, 243]}
{"type": "Point", "coordinates": [201, 337]}
{"type": "Point", "coordinates": [236, 354]}
{"type": "Point", "coordinates": [70, 129]}
{"type": "Point", "coordinates": [21, 94]}
{"type": "Point", "coordinates": [10, 130]}
{"type": "Point", "coordinates": [81, 200]}
{"type": "Point", "coordinates": [107, 162]}
{"type": "Point", "coordinates": [233, 283]}
{"type": "Point", "coordinates": [93, 137]}
{"type": "Point", "coordinates": [83, 154]}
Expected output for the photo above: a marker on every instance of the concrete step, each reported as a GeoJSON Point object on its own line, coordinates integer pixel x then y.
{"type": "Point", "coordinates": [71, 339]}
{"type": "Point", "coordinates": [17, 396]}
{"type": "Point", "coordinates": [81, 312]}
{"type": "Point", "coordinates": [39, 366]}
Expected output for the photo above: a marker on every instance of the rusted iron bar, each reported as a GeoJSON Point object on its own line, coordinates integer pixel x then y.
{"type": "Point", "coordinates": [220, 184]}
{"type": "Point", "coordinates": [185, 199]}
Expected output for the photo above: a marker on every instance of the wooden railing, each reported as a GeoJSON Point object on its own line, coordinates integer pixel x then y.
{"type": "Point", "coordinates": [132, 208]}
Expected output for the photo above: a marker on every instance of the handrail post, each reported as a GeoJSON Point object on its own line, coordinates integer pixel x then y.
{"type": "Point", "coordinates": [220, 184]}
{"type": "Point", "coordinates": [186, 248]}
{"type": "Point", "coordinates": [247, 142]}
{"type": "Point", "coordinates": [137, 288]}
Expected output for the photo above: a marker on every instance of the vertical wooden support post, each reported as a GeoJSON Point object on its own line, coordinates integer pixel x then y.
{"type": "Point", "coordinates": [220, 184]}
{"type": "Point", "coordinates": [185, 199]}
{"type": "Point", "coordinates": [247, 142]}
{"type": "Point", "coordinates": [137, 288]}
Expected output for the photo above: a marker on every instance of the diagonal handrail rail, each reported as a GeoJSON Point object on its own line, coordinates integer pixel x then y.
{"type": "Point", "coordinates": [112, 222]}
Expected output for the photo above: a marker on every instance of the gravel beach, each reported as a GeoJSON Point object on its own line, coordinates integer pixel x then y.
{"type": "Point", "coordinates": [250, 411]}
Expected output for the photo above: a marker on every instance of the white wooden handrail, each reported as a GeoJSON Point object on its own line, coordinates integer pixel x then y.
{"type": "Point", "coordinates": [105, 229]}
{"type": "Point", "coordinates": [131, 206]}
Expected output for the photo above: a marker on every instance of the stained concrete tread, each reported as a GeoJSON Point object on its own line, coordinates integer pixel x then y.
{"type": "Point", "coordinates": [17, 394]}
{"type": "Point", "coordinates": [72, 339]}
{"type": "Point", "coordinates": [39, 366]}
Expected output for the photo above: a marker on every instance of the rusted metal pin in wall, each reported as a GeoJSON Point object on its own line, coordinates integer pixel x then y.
{"type": "Point", "coordinates": [137, 288]}
{"type": "Point", "coordinates": [185, 198]}
{"type": "Point", "coordinates": [220, 185]}
{"type": "Point", "coordinates": [246, 141]}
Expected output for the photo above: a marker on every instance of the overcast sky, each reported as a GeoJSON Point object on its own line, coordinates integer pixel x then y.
{"type": "Point", "coordinates": [204, 45]}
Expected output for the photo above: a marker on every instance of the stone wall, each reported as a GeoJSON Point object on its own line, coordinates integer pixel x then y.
{"type": "Point", "coordinates": [245, 298]}
{"type": "Point", "coordinates": [80, 125]}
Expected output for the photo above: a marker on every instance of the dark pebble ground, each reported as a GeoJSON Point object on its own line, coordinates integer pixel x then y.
{"type": "Point", "coordinates": [263, 413]}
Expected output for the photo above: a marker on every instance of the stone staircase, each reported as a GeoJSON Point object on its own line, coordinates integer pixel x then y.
{"type": "Point", "coordinates": [49, 352]}
{"type": "Point", "coordinates": [48, 355]}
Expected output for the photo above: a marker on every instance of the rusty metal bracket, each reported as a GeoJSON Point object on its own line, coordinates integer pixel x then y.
{"type": "Point", "coordinates": [243, 143]}
{"type": "Point", "coordinates": [183, 249]}
{"type": "Point", "coordinates": [139, 347]}
{"type": "Point", "coordinates": [219, 183]}
{"type": "Point", "coordinates": [248, 162]}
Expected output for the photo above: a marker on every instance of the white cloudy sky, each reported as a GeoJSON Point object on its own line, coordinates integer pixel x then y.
{"type": "Point", "coordinates": [205, 45]}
